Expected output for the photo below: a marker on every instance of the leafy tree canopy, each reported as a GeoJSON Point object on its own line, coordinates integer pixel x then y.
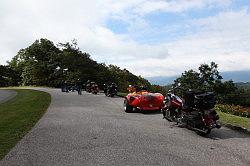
{"type": "Point", "coordinates": [45, 64]}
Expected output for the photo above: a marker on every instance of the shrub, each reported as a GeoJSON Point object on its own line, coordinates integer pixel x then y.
{"type": "Point", "coordinates": [233, 109]}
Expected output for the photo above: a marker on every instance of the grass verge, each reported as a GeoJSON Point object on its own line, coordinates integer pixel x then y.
{"type": "Point", "coordinates": [121, 94]}
{"type": "Point", "coordinates": [234, 120]}
{"type": "Point", "coordinates": [19, 115]}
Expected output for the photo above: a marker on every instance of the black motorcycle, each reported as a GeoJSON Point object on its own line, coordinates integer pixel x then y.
{"type": "Point", "coordinates": [195, 111]}
{"type": "Point", "coordinates": [111, 90]}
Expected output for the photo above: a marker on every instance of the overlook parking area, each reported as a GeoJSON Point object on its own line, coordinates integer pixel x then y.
{"type": "Point", "coordinates": [94, 130]}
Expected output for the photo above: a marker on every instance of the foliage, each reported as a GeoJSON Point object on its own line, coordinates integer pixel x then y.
{"type": "Point", "coordinates": [209, 75]}
{"type": "Point", "coordinates": [243, 85]}
{"type": "Point", "coordinates": [188, 80]}
{"type": "Point", "coordinates": [8, 77]}
{"type": "Point", "coordinates": [36, 63]}
{"type": "Point", "coordinates": [159, 89]}
{"type": "Point", "coordinates": [208, 79]}
{"type": "Point", "coordinates": [234, 110]}
{"type": "Point", "coordinates": [243, 95]}
{"type": "Point", "coordinates": [44, 64]}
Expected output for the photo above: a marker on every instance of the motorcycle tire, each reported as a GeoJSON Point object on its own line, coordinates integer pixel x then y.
{"type": "Point", "coordinates": [166, 115]}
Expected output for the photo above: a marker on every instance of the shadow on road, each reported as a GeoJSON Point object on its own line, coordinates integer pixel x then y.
{"type": "Point", "coordinates": [226, 133]}
{"type": "Point", "coordinates": [218, 134]}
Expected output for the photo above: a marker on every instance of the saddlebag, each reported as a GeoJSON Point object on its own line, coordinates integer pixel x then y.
{"type": "Point", "coordinates": [189, 99]}
{"type": "Point", "coordinates": [204, 101]}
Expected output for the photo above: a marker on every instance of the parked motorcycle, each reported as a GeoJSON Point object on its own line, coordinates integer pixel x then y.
{"type": "Point", "coordinates": [94, 88]}
{"type": "Point", "coordinates": [111, 90]}
{"type": "Point", "coordinates": [88, 88]}
{"type": "Point", "coordinates": [195, 111]}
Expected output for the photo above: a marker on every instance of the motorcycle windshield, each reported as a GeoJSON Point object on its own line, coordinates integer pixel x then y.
{"type": "Point", "coordinates": [178, 98]}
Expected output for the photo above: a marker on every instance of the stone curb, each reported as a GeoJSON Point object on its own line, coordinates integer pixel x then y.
{"type": "Point", "coordinates": [237, 128]}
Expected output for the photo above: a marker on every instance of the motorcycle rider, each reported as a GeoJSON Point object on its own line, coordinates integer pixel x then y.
{"type": "Point", "coordinates": [112, 89]}
{"type": "Point", "coordinates": [105, 88]}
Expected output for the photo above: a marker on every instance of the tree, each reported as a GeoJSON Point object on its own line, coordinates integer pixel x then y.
{"type": "Point", "coordinates": [209, 76]}
{"type": "Point", "coordinates": [7, 76]}
{"type": "Point", "coordinates": [36, 64]}
{"type": "Point", "coordinates": [188, 80]}
{"type": "Point", "coordinates": [44, 64]}
{"type": "Point", "coordinates": [207, 79]}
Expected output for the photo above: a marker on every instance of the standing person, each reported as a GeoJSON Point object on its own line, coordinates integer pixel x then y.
{"type": "Point", "coordinates": [79, 87]}
{"type": "Point", "coordinates": [66, 87]}
{"type": "Point", "coordinates": [105, 89]}
{"type": "Point", "coordinates": [62, 86]}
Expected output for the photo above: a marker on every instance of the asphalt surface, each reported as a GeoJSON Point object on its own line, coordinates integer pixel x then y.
{"type": "Point", "coordinates": [94, 130]}
{"type": "Point", "coordinates": [5, 95]}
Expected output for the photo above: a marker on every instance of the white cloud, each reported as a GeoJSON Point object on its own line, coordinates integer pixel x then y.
{"type": "Point", "coordinates": [178, 5]}
{"type": "Point", "coordinates": [223, 38]}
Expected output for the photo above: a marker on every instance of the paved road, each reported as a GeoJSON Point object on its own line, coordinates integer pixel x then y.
{"type": "Point", "coordinates": [93, 130]}
{"type": "Point", "coordinates": [5, 95]}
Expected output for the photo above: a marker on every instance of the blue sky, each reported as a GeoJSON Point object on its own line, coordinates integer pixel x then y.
{"type": "Point", "coordinates": [165, 26]}
{"type": "Point", "coordinates": [147, 37]}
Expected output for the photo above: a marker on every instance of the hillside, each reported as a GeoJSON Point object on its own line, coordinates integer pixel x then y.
{"type": "Point", "coordinates": [244, 85]}
{"type": "Point", "coordinates": [45, 64]}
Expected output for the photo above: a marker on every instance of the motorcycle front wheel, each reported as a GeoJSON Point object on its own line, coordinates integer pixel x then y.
{"type": "Point", "coordinates": [166, 114]}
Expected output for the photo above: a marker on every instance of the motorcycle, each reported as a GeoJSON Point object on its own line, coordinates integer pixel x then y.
{"type": "Point", "coordinates": [94, 89]}
{"type": "Point", "coordinates": [195, 111]}
{"type": "Point", "coordinates": [111, 91]}
{"type": "Point", "coordinates": [88, 88]}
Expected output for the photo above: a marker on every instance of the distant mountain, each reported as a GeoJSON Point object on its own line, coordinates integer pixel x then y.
{"type": "Point", "coordinates": [244, 85]}
{"type": "Point", "coordinates": [236, 76]}
{"type": "Point", "coordinates": [161, 80]}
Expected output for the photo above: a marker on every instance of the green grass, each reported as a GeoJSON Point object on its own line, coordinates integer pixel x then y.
{"type": "Point", "coordinates": [122, 94]}
{"type": "Point", "coordinates": [19, 115]}
{"type": "Point", "coordinates": [234, 120]}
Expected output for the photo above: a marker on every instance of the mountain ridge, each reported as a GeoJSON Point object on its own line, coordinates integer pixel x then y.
{"type": "Point", "coordinates": [236, 76]}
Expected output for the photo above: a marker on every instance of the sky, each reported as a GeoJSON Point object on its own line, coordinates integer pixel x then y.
{"type": "Point", "coordinates": [147, 37]}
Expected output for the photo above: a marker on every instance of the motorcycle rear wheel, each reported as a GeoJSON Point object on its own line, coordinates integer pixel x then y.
{"type": "Point", "coordinates": [205, 131]}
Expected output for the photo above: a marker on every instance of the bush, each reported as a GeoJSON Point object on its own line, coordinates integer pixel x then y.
{"type": "Point", "coordinates": [234, 110]}
{"type": "Point", "coordinates": [239, 97]}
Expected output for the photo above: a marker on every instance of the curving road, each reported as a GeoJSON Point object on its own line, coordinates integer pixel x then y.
{"type": "Point", "coordinates": [94, 130]}
{"type": "Point", "coordinates": [6, 95]}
